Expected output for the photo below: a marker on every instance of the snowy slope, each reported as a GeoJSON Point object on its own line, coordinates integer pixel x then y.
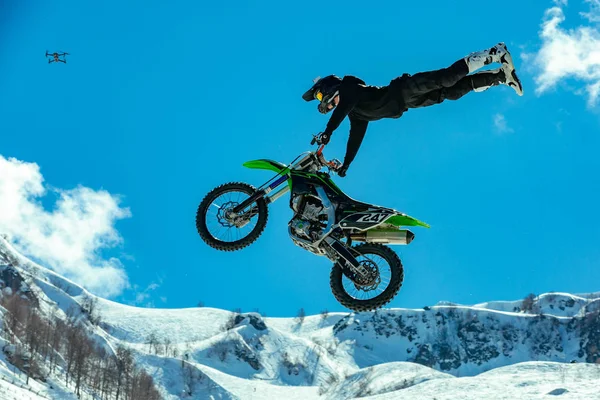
{"type": "Point", "coordinates": [531, 380]}
{"type": "Point", "coordinates": [557, 304]}
{"type": "Point", "coordinates": [436, 352]}
{"type": "Point", "coordinates": [11, 391]}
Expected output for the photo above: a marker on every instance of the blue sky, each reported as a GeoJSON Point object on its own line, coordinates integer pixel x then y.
{"type": "Point", "coordinates": [160, 103]}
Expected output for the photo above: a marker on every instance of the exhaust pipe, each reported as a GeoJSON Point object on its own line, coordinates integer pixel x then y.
{"type": "Point", "coordinates": [402, 236]}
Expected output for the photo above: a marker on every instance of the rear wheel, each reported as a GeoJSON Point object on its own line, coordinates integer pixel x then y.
{"type": "Point", "coordinates": [223, 230]}
{"type": "Point", "coordinates": [366, 293]}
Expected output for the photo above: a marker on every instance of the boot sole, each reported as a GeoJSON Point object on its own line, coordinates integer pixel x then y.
{"type": "Point", "coordinates": [518, 86]}
{"type": "Point", "coordinates": [512, 80]}
{"type": "Point", "coordinates": [507, 60]}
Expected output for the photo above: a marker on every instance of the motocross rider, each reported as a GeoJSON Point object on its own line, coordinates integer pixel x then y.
{"type": "Point", "coordinates": [362, 103]}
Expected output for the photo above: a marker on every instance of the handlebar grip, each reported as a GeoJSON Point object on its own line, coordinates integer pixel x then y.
{"type": "Point", "coordinates": [313, 141]}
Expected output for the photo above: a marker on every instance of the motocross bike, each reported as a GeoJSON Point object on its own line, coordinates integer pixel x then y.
{"type": "Point", "coordinates": [326, 222]}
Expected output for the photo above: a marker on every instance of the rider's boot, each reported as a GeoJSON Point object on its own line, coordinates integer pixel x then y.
{"type": "Point", "coordinates": [483, 80]}
{"type": "Point", "coordinates": [497, 54]}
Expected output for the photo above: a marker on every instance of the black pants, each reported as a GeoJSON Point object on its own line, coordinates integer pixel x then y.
{"type": "Point", "coordinates": [433, 87]}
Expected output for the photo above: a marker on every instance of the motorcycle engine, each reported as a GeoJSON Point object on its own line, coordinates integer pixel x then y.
{"type": "Point", "coordinates": [310, 218]}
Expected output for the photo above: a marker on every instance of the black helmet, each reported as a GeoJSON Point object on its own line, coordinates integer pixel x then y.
{"type": "Point", "coordinates": [324, 90]}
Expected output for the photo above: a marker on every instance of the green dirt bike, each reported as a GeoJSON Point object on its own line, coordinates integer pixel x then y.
{"type": "Point", "coordinates": [326, 222]}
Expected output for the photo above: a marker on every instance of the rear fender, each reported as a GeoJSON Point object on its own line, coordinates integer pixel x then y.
{"type": "Point", "coordinates": [402, 219]}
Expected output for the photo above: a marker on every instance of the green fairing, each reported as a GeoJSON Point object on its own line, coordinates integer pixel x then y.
{"type": "Point", "coordinates": [405, 220]}
{"type": "Point", "coordinates": [328, 181]}
{"type": "Point", "coordinates": [282, 169]}
{"type": "Point", "coordinates": [270, 165]}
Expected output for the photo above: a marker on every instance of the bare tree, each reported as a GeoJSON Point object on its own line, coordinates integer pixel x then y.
{"type": "Point", "coordinates": [324, 314]}
{"type": "Point", "coordinates": [96, 367]}
{"type": "Point", "coordinates": [71, 343]}
{"type": "Point", "coordinates": [142, 386]}
{"type": "Point", "coordinates": [33, 328]}
{"type": "Point", "coordinates": [84, 349]}
{"type": "Point", "coordinates": [89, 306]}
{"type": "Point", "coordinates": [124, 369]}
{"type": "Point", "coordinates": [167, 345]}
{"type": "Point", "coordinates": [528, 302]}
{"type": "Point", "coordinates": [152, 340]}
{"type": "Point", "coordinates": [46, 335]}
{"type": "Point", "coordinates": [109, 376]}
{"type": "Point", "coordinates": [18, 358]}
{"type": "Point", "coordinates": [56, 340]}
{"type": "Point", "coordinates": [191, 378]}
{"type": "Point", "coordinates": [66, 342]}
{"type": "Point", "coordinates": [300, 316]}
{"type": "Point", "coordinates": [16, 316]}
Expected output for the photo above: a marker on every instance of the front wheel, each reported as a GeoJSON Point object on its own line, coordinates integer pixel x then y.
{"type": "Point", "coordinates": [223, 230]}
{"type": "Point", "coordinates": [370, 292]}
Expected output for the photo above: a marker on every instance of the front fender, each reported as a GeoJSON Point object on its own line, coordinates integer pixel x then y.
{"type": "Point", "coordinates": [270, 165]}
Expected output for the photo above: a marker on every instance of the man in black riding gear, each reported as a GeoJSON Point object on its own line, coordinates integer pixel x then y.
{"type": "Point", "coordinates": [362, 103]}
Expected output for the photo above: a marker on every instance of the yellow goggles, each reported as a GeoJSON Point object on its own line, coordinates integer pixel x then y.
{"type": "Point", "coordinates": [319, 95]}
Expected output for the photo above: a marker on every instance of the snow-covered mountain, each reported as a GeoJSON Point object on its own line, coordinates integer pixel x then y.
{"type": "Point", "coordinates": [544, 345]}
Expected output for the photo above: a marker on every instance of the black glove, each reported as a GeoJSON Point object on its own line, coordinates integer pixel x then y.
{"type": "Point", "coordinates": [342, 171]}
{"type": "Point", "coordinates": [324, 138]}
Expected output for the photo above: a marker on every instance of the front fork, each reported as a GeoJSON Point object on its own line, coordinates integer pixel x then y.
{"type": "Point", "coordinates": [262, 193]}
{"type": "Point", "coordinates": [277, 194]}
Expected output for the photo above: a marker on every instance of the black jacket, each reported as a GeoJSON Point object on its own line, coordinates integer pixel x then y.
{"type": "Point", "coordinates": [363, 103]}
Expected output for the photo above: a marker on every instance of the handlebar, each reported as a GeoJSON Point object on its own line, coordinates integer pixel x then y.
{"type": "Point", "coordinates": [334, 164]}
{"type": "Point", "coordinates": [316, 139]}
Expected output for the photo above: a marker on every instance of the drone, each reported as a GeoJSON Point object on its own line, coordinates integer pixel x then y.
{"type": "Point", "coordinates": [56, 57]}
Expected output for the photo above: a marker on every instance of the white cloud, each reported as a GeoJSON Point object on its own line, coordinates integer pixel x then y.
{"type": "Point", "coordinates": [569, 53]}
{"type": "Point", "coordinates": [500, 124]}
{"type": "Point", "coordinates": [594, 14]}
{"type": "Point", "coordinates": [68, 238]}
{"type": "Point", "coordinates": [141, 297]}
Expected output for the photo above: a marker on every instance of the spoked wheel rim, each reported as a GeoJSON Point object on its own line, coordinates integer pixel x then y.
{"type": "Point", "coordinates": [371, 285]}
{"type": "Point", "coordinates": [220, 228]}
{"type": "Point", "coordinates": [220, 223]}
{"type": "Point", "coordinates": [371, 291]}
